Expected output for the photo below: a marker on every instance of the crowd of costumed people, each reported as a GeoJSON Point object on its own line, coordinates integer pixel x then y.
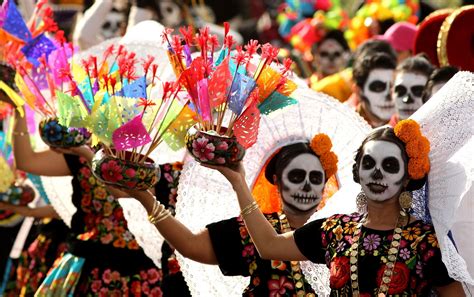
{"type": "Point", "coordinates": [236, 148]}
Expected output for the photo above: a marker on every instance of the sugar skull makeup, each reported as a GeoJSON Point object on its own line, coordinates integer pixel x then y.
{"type": "Point", "coordinates": [331, 57]}
{"type": "Point", "coordinates": [407, 92]}
{"type": "Point", "coordinates": [302, 183]}
{"type": "Point", "coordinates": [377, 93]}
{"type": "Point", "coordinates": [381, 170]}
{"type": "Point", "coordinates": [170, 13]}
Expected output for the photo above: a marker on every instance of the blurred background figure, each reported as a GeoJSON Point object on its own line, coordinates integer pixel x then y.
{"type": "Point", "coordinates": [401, 36]}
{"type": "Point", "coordinates": [410, 80]}
{"type": "Point", "coordinates": [438, 78]}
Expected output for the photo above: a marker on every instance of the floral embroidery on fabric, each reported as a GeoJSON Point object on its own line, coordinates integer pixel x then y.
{"type": "Point", "coordinates": [109, 282]}
{"type": "Point", "coordinates": [418, 247]}
{"type": "Point", "coordinates": [282, 278]}
{"type": "Point", "coordinates": [103, 216]}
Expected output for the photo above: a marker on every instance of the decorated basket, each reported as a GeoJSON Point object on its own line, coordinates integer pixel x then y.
{"type": "Point", "coordinates": [209, 147]}
{"type": "Point", "coordinates": [18, 195]}
{"type": "Point", "coordinates": [56, 135]}
{"type": "Point", "coordinates": [124, 172]}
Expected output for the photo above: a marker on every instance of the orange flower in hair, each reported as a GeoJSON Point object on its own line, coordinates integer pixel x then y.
{"type": "Point", "coordinates": [407, 130]}
{"type": "Point", "coordinates": [418, 167]}
{"type": "Point", "coordinates": [417, 148]}
{"type": "Point", "coordinates": [329, 163]}
{"type": "Point", "coordinates": [321, 145]}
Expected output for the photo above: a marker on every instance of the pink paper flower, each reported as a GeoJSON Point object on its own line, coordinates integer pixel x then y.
{"type": "Point", "coordinates": [111, 171]}
{"type": "Point", "coordinates": [223, 146]}
{"type": "Point", "coordinates": [203, 150]}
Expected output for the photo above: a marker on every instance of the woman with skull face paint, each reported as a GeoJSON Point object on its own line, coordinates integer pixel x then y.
{"type": "Point", "coordinates": [380, 250]}
{"type": "Point", "coordinates": [373, 77]}
{"type": "Point", "coordinates": [331, 55]}
{"type": "Point", "coordinates": [410, 80]}
{"type": "Point", "coordinates": [300, 172]}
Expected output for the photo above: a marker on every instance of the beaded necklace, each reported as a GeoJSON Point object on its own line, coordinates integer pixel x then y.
{"type": "Point", "coordinates": [296, 274]}
{"type": "Point", "coordinates": [391, 259]}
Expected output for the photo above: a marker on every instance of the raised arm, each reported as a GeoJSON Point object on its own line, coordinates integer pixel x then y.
{"type": "Point", "coordinates": [197, 247]}
{"type": "Point", "coordinates": [269, 243]}
{"type": "Point", "coordinates": [36, 212]}
{"type": "Point", "coordinates": [47, 162]}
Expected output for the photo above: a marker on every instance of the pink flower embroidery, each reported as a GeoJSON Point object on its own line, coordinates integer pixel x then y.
{"type": "Point", "coordinates": [223, 146]}
{"type": "Point", "coordinates": [203, 150]}
{"type": "Point", "coordinates": [249, 250]}
{"type": "Point", "coordinates": [278, 287]}
{"type": "Point", "coordinates": [130, 172]}
{"type": "Point", "coordinates": [220, 160]}
{"type": "Point", "coordinates": [107, 276]}
{"type": "Point", "coordinates": [111, 171]}
{"type": "Point", "coordinates": [96, 285]}
{"type": "Point", "coordinates": [153, 275]}
{"type": "Point", "coordinates": [156, 292]}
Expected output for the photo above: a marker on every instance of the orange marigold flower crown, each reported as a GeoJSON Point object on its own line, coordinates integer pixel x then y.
{"type": "Point", "coordinates": [321, 145]}
{"type": "Point", "coordinates": [417, 148]}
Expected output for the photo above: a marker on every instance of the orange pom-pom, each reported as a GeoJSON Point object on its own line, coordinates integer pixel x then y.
{"type": "Point", "coordinates": [407, 130]}
{"type": "Point", "coordinates": [418, 167]}
{"type": "Point", "coordinates": [329, 163]}
{"type": "Point", "coordinates": [321, 144]}
{"type": "Point", "coordinates": [418, 148]}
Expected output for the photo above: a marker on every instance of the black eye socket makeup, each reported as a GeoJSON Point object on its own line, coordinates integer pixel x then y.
{"type": "Point", "coordinates": [400, 90]}
{"type": "Point", "coordinates": [378, 86]}
{"type": "Point", "coordinates": [391, 165]}
{"type": "Point", "coordinates": [367, 162]}
{"type": "Point", "coordinates": [316, 177]}
{"type": "Point", "coordinates": [297, 176]}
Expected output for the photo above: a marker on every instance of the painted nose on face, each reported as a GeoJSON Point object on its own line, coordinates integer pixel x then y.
{"type": "Point", "coordinates": [377, 174]}
{"type": "Point", "coordinates": [408, 100]}
{"type": "Point", "coordinates": [307, 186]}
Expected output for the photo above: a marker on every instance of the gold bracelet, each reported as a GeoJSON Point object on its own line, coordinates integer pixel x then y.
{"type": "Point", "coordinates": [249, 208]}
{"type": "Point", "coordinates": [19, 133]}
{"type": "Point", "coordinates": [158, 213]}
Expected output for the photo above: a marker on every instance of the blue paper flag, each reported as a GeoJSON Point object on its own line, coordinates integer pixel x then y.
{"type": "Point", "coordinates": [136, 89]}
{"type": "Point", "coordinates": [86, 90]}
{"type": "Point", "coordinates": [14, 23]}
{"type": "Point", "coordinates": [38, 47]}
{"type": "Point", "coordinates": [242, 87]}
{"type": "Point", "coordinates": [274, 102]}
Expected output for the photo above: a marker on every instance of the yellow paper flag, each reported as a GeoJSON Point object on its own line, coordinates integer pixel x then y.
{"type": "Point", "coordinates": [17, 100]}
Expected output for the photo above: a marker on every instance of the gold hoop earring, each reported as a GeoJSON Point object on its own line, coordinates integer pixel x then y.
{"type": "Point", "coordinates": [361, 202]}
{"type": "Point", "coordinates": [405, 201]}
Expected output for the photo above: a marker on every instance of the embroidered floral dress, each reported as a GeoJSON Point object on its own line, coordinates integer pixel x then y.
{"type": "Point", "coordinates": [418, 268]}
{"type": "Point", "coordinates": [27, 272]}
{"type": "Point", "coordinates": [104, 259]}
{"type": "Point", "coordinates": [237, 255]}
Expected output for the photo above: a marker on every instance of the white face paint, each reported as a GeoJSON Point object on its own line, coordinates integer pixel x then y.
{"type": "Point", "coordinates": [377, 92]}
{"type": "Point", "coordinates": [113, 24]}
{"type": "Point", "coordinates": [381, 170]}
{"type": "Point", "coordinates": [171, 14]}
{"type": "Point", "coordinates": [302, 183]}
{"type": "Point", "coordinates": [331, 57]}
{"type": "Point", "coordinates": [407, 91]}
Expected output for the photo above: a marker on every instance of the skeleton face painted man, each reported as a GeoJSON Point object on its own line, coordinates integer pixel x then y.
{"type": "Point", "coordinates": [302, 183]}
{"type": "Point", "coordinates": [373, 76]}
{"type": "Point", "coordinates": [410, 81]}
{"type": "Point", "coordinates": [381, 170]}
{"type": "Point", "coordinates": [331, 54]}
